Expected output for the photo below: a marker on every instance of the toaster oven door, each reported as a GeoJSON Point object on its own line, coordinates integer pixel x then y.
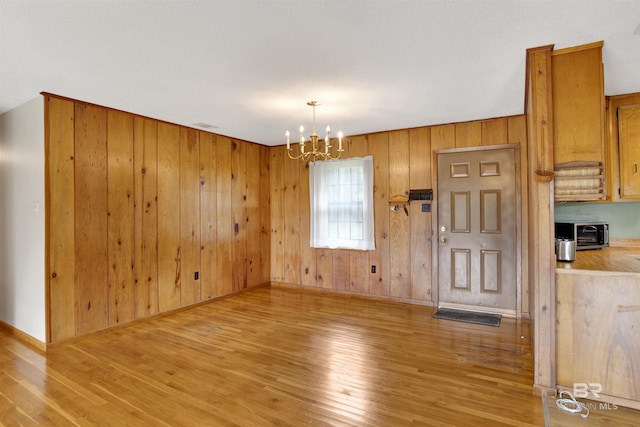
{"type": "Point", "coordinates": [591, 236]}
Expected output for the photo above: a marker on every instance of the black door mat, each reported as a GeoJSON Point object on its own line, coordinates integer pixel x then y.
{"type": "Point", "coordinates": [488, 319]}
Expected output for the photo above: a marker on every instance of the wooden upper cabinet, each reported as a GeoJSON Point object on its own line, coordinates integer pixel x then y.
{"type": "Point", "coordinates": [578, 104]}
{"type": "Point", "coordinates": [629, 146]}
{"type": "Point", "coordinates": [578, 120]}
{"type": "Point", "coordinates": [623, 147]}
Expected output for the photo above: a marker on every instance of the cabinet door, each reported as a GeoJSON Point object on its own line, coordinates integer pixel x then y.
{"type": "Point", "coordinates": [578, 123]}
{"type": "Point", "coordinates": [578, 104]}
{"type": "Point", "coordinates": [629, 140]}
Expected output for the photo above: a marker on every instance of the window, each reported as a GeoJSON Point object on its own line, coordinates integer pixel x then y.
{"type": "Point", "coordinates": [341, 193]}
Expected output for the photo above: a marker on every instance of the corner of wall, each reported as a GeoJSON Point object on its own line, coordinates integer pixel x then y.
{"type": "Point", "coordinates": [22, 291]}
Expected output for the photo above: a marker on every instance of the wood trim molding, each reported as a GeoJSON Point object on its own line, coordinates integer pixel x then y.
{"type": "Point", "coordinates": [577, 48]}
{"type": "Point", "coordinates": [369, 297]}
{"type": "Point", "coordinates": [475, 149]}
{"type": "Point", "coordinates": [543, 391]}
{"type": "Point", "coordinates": [23, 336]}
{"type": "Point", "coordinates": [539, 112]}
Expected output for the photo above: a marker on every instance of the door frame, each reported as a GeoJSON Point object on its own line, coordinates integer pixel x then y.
{"type": "Point", "coordinates": [435, 226]}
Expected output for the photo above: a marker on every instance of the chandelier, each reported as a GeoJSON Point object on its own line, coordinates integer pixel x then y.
{"type": "Point", "coordinates": [315, 153]}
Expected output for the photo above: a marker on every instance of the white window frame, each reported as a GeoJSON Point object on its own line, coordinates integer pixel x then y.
{"type": "Point", "coordinates": [324, 235]}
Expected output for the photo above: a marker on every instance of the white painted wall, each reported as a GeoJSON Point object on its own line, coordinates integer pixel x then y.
{"type": "Point", "coordinates": [22, 290]}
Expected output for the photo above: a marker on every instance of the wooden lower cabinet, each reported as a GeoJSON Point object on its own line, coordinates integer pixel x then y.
{"type": "Point", "coordinates": [598, 334]}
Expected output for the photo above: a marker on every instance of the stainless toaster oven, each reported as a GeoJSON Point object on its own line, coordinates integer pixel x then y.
{"type": "Point", "coordinates": [586, 234]}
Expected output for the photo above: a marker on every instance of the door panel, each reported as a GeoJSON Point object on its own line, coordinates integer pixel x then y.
{"type": "Point", "coordinates": [477, 228]}
{"type": "Point", "coordinates": [490, 212]}
{"type": "Point", "coordinates": [460, 206]}
{"type": "Point", "coordinates": [461, 269]}
{"type": "Point", "coordinates": [491, 271]}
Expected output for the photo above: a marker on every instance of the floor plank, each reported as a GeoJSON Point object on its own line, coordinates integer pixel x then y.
{"type": "Point", "coordinates": [278, 356]}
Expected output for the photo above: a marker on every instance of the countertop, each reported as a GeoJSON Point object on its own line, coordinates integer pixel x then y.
{"type": "Point", "coordinates": [618, 259]}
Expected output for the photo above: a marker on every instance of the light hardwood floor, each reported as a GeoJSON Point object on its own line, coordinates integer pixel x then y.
{"type": "Point", "coordinates": [278, 356]}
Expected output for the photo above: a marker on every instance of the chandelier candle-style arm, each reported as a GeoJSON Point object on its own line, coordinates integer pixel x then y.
{"type": "Point", "coordinates": [316, 153]}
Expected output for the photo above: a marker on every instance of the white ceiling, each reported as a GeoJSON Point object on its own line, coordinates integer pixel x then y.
{"type": "Point", "coordinates": [249, 67]}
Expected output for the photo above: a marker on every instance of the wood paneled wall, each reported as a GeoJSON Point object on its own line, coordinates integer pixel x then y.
{"type": "Point", "coordinates": [136, 206]}
{"type": "Point", "coordinates": [403, 254]}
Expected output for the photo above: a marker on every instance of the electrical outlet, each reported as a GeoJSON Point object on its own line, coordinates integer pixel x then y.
{"type": "Point", "coordinates": [426, 207]}
{"type": "Point", "coordinates": [196, 275]}
{"type": "Point", "coordinates": [373, 268]}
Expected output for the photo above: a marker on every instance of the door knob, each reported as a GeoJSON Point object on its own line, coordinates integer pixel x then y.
{"type": "Point", "coordinates": [443, 240]}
